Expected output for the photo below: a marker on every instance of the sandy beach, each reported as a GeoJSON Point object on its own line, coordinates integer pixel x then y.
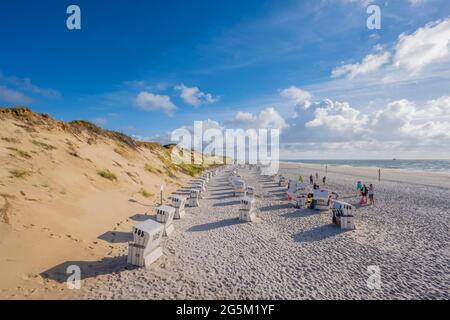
{"type": "Point", "coordinates": [296, 254]}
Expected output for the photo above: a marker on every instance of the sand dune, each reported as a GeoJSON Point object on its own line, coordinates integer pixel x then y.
{"type": "Point", "coordinates": [67, 191]}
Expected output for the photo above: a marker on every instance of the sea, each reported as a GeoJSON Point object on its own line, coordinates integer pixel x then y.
{"type": "Point", "coordinates": [421, 165]}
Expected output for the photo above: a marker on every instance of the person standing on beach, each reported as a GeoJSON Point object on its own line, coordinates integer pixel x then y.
{"type": "Point", "coordinates": [317, 177]}
{"type": "Point", "coordinates": [379, 174]}
{"type": "Point", "coordinates": [359, 187]}
{"type": "Point", "coordinates": [311, 179]}
{"type": "Point", "coordinates": [324, 180]}
{"type": "Point", "coordinates": [301, 180]}
{"type": "Point", "coordinates": [364, 192]}
{"type": "Point", "coordinates": [371, 195]}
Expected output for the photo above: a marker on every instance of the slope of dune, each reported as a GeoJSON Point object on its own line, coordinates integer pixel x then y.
{"type": "Point", "coordinates": [68, 191]}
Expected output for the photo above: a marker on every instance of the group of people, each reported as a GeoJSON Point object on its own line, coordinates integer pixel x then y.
{"type": "Point", "coordinates": [315, 182]}
{"type": "Point", "coordinates": [367, 193]}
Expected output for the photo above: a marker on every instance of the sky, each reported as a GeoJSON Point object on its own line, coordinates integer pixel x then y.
{"type": "Point", "coordinates": [312, 69]}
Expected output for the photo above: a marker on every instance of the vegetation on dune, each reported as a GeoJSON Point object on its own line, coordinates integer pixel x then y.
{"type": "Point", "coordinates": [43, 145]}
{"type": "Point", "coordinates": [107, 175]}
{"type": "Point", "coordinates": [4, 210]}
{"type": "Point", "coordinates": [20, 152]}
{"type": "Point", "coordinates": [191, 169]}
{"type": "Point", "coordinates": [125, 144]}
{"type": "Point", "coordinates": [145, 193]}
{"type": "Point", "coordinates": [164, 154]}
{"type": "Point", "coordinates": [17, 173]}
{"type": "Point", "coordinates": [121, 151]}
{"type": "Point", "coordinates": [148, 167]}
{"type": "Point", "coordinates": [11, 140]}
{"type": "Point", "coordinates": [152, 146]}
{"type": "Point", "coordinates": [81, 125]}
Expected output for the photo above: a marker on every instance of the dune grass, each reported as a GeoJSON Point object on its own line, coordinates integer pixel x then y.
{"type": "Point", "coordinates": [20, 152]}
{"type": "Point", "coordinates": [122, 150]}
{"type": "Point", "coordinates": [43, 145]}
{"type": "Point", "coordinates": [107, 175]}
{"type": "Point", "coordinates": [148, 167]}
{"type": "Point", "coordinates": [16, 173]}
{"type": "Point", "coordinates": [11, 140]}
{"type": "Point", "coordinates": [145, 193]}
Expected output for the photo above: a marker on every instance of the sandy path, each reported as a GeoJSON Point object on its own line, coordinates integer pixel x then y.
{"type": "Point", "coordinates": [295, 254]}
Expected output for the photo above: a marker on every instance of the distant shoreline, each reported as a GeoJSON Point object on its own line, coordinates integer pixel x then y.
{"type": "Point", "coordinates": [420, 166]}
{"type": "Point", "coordinates": [409, 176]}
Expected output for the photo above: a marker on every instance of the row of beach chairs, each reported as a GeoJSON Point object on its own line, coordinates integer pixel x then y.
{"type": "Point", "coordinates": [147, 236]}
{"type": "Point", "coordinates": [246, 194]}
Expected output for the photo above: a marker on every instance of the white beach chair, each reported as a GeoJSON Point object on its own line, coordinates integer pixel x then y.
{"type": "Point", "coordinates": [283, 182]}
{"type": "Point", "coordinates": [200, 188]}
{"type": "Point", "coordinates": [246, 210]}
{"type": "Point", "coordinates": [165, 215]}
{"type": "Point", "coordinates": [193, 198]}
{"type": "Point", "coordinates": [199, 183]}
{"type": "Point", "coordinates": [145, 248]}
{"type": "Point", "coordinates": [239, 188]}
{"type": "Point", "coordinates": [321, 200]}
{"type": "Point", "coordinates": [179, 203]}
{"type": "Point", "coordinates": [343, 215]}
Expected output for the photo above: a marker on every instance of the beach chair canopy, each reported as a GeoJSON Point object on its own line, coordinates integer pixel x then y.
{"type": "Point", "coordinates": [149, 228]}
{"type": "Point", "coordinates": [247, 201]}
{"type": "Point", "coordinates": [177, 198]}
{"type": "Point", "coordinates": [165, 209]}
{"type": "Point", "coordinates": [340, 205]}
{"type": "Point", "coordinates": [321, 194]}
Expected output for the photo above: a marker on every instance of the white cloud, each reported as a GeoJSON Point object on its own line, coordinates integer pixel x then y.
{"type": "Point", "coordinates": [415, 3]}
{"type": "Point", "coordinates": [427, 45]}
{"type": "Point", "coordinates": [13, 96]}
{"type": "Point", "coordinates": [331, 129]}
{"type": "Point", "coordinates": [26, 85]}
{"type": "Point", "coordinates": [194, 97]}
{"type": "Point", "coordinates": [338, 117]}
{"type": "Point", "coordinates": [151, 102]}
{"type": "Point", "coordinates": [405, 120]}
{"type": "Point", "coordinates": [297, 95]}
{"type": "Point", "coordinates": [268, 118]}
{"type": "Point", "coordinates": [370, 63]}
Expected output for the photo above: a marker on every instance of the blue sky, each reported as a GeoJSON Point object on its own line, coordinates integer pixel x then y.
{"type": "Point", "coordinates": [148, 67]}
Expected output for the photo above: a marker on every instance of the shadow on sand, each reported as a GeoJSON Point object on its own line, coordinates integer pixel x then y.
{"type": "Point", "coordinates": [116, 237]}
{"type": "Point", "coordinates": [271, 185]}
{"type": "Point", "coordinates": [142, 204]}
{"type": "Point", "coordinates": [222, 196]}
{"type": "Point", "coordinates": [214, 225]}
{"type": "Point", "coordinates": [140, 217]}
{"type": "Point", "coordinates": [226, 204]}
{"type": "Point", "coordinates": [89, 269]}
{"type": "Point", "coordinates": [276, 207]}
{"type": "Point", "coordinates": [279, 193]}
{"type": "Point", "coordinates": [221, 189]}
{"type": "Point", "coordinates": [300, 213]}
{"type": "Point", "coordinates": [318, 233]}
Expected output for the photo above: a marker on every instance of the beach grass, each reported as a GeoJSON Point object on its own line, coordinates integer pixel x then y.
{"type": "Point", "coordinates": [20, 152]}
{"type": "Point", "coordinates": [17, 173]}
{"type": "Point", "coordinates": [145, 193]}
{"type": "Point", "coordinates": [107, 175]}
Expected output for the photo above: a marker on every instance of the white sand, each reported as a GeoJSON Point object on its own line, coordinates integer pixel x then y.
{"type": "Point", "coordinates": [297, 254]}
